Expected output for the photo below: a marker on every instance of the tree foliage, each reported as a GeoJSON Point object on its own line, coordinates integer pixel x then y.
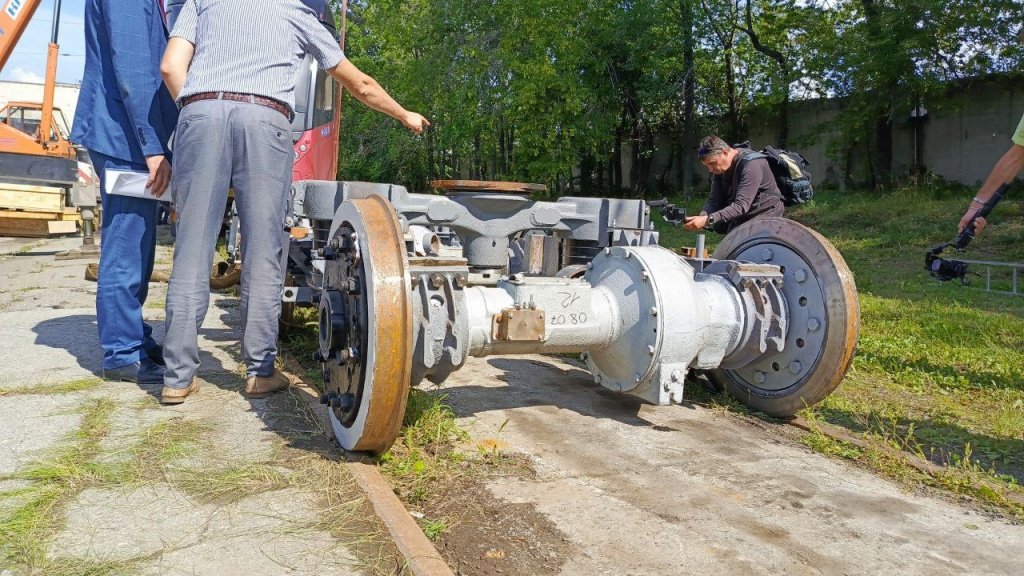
{"type": "Point", "coordinates": [573, 92]}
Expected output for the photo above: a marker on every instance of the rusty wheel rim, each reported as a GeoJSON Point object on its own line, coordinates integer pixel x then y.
{"type": "Point", "coordinates": [386, 364]}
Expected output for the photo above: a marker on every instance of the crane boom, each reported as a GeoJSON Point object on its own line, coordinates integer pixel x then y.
{"type": "Point", "coordinates": [14, 18]}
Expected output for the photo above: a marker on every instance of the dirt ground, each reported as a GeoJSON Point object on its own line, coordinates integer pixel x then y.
{"type": "Point", "coordinates": [622, 487]}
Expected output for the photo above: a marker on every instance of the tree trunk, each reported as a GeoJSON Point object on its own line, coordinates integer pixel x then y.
{"type": "Point", "coordinates": [784, 118]}
{"type": "Point", "coordinates": [732, 134]}
{"type": "Point", "coordinates": [616, 167]}
{"type": "Point", "coordinates": [431, 173]}
{"type": "Point", "coordinates": [586, 174]}
{"type": "Point", "coordinates": [689, 89]}
{"type": "Point", "coordinates": [883, 152]}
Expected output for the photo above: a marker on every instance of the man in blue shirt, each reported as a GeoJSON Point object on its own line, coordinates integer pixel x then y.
{"type": "Point", "coordinates": [124, 118]}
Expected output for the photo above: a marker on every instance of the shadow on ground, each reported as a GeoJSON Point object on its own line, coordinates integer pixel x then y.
{"type": "Point", "coordinates": [940, 441]}
{"type": "Point", "coordinates": [538, 383]}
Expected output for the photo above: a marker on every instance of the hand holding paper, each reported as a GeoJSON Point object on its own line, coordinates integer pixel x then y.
{"type": "Point", "coordinates": [159, 175]}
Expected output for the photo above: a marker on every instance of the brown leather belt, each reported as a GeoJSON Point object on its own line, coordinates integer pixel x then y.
{"type": "Point", "coordinates": [236, 97]}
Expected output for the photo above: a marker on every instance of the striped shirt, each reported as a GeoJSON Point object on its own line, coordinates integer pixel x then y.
{"type": "Point", "coordinates": [252, 46]}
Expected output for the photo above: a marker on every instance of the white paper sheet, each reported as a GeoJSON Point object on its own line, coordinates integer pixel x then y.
{"type": "Point", "coordinates": [128, 183]}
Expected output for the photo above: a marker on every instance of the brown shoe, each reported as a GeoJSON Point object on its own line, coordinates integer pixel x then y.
{"type": "Point", "coordinates": [177, 395]}
{"type": "Point", "coordinates": [263, 386]}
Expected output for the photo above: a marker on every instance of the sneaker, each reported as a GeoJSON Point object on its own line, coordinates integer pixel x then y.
{"type": "Point", "coordinates": [142, 372]}
{"type": "Point", "coordinates": [263, 386]}
{"type": "Point", "coordinates": [177, 395]}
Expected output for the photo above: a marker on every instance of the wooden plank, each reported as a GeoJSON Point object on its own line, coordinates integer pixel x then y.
{"type": "Point", "coordinates": [71, 214]}
{"type": "Point", "coordinates": [34, 228]}
{"type": "Point", "coordinates": [29, 187]}
{"type": "Point", "coordinates": [37, 198]}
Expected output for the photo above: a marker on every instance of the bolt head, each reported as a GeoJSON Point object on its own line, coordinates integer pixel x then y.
{"type": "Point", "coordinates": [813, 324]}
{"type": "Point", "coordinates": [346, 402]}
{"type": "Point", "coordinates": [767, 254]}
{"type": "Point", "coordinates": [800, 275]}
{"type": "Point", "coordinates": [760, 377]}
{"type": "Point", "coordinates": [654, 310]}
{"type": "Point", "coordinates": [795, 367]}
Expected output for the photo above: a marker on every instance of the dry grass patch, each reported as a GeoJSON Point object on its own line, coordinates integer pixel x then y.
{"type": "Point", "coordinates": [82, 385]}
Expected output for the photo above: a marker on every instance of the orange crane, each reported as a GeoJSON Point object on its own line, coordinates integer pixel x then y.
{"type": "Point", "coordinates": [32, 147]}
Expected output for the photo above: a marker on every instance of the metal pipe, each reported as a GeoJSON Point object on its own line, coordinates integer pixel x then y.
{"type": "Point", "coordinates": [46, 122]}
{"type": "Point", "coordinates": [56, 22]}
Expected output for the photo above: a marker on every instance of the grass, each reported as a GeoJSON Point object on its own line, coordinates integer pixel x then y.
{"type": "Point", "coordinates": [431, 451]}
{"type": "Point", "coordinates": [427, 450]}
{"type": "Point", "coordinates": [27, 528]}
{"type": "Point", "coordinates": [51, 389]}
{"type": "Point", "coordinates": [939, 371]}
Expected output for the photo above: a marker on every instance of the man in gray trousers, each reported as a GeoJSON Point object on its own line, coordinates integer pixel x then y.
{"type": "Point", "coordinates": [231, 66]}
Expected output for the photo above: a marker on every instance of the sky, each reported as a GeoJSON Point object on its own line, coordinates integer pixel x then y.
{"type": "Point", "coordinates": [28, 61]}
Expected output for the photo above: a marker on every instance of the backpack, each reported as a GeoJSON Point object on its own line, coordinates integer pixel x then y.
{"type": "Point", "coordinates": [789, 169]}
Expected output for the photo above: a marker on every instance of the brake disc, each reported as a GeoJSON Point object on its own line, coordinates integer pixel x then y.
{"type": "Point", "coordinates": [823, 323]}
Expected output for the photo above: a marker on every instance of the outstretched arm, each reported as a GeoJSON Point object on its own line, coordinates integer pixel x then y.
{"type": "Point", "coordinates": [1004, 172]}
{"type": "Point", "coordinates": [370, 93]}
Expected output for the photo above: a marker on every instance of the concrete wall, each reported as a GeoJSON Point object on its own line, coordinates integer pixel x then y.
{"type": "Point", "coordinates": [65, 96]}
{"type": "Point", "coordinates": [965, 133]}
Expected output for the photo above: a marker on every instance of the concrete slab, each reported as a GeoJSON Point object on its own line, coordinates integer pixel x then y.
{"type": "Point", "coordinates": [643, 489]}
{"type": "Point", "coordinates": [31, 425]}
{"type": "Point", "coordinates": [267, 534]}
{"type": "Point", "coordinates": [50, 338]}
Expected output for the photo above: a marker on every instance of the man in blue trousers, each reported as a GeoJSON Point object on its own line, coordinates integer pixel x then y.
{"type": "Point", "coordinates": [124, 118]}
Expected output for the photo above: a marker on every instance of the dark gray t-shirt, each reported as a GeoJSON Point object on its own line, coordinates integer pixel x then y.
{"type": "Point", "coordinates": [746, 190]}
{"type": "Point", "coordinates": [252, 46]}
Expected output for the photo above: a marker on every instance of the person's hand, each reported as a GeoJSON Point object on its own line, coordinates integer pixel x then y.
{"type": "Point", "coordinates": [696, 222]}
{"type": "Point", "coordinates": [415, 122]}
{"type": "Point", "coordinates": [979, 223]}
{"type": "Point", "coordinates": [159, 175]}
